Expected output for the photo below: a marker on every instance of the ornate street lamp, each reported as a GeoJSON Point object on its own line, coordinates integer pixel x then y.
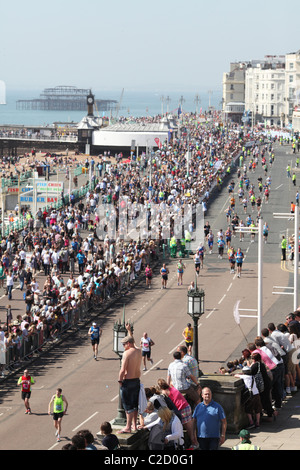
{"type": "Point", "coordinates": [195, 309]}
{"type": "Point", "coordinates": [119, 332]}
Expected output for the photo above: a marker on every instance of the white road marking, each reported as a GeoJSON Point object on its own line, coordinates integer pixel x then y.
{"type": "Point", "coordinates": [221, 300]}
{"type": "Point", "coordinates": [211, 312]}
{"type": "Point", "coordinates": [170, 327]}
{"type": "Point", "coordinates": [154, 365]}
{"type": "Point", "coordinates": [55, 445]}
{"type": "Point", "coordinates": [80, 425]}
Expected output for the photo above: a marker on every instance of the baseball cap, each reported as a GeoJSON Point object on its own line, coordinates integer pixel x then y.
{"type": "Point", "coordinates": [244, 433]}
{"type": "Point", "coordinates": [127, 339]}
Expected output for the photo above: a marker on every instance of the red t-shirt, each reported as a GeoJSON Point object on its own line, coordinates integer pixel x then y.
{"type": "Point", "coordinates": [26, 383]}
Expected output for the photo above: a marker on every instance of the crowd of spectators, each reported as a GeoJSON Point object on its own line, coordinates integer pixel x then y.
{"type": "Point", "coordinates": [272, 360]}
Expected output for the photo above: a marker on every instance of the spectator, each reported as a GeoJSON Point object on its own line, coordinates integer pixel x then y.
{"type": "Point", "coordinates": [209, 418]}
{"type": "Point", "coordinates": [178, 375]}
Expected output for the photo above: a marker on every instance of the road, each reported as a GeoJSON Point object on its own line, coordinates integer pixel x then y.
{"type": "Point", "coordinates": [91, 386]}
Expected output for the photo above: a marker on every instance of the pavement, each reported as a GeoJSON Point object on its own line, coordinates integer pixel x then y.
{"type": "Point", "coordinates": [281, 434]}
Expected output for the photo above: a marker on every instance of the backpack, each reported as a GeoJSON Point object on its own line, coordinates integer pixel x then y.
{"type": "Point", "coordinates": [259, 380]}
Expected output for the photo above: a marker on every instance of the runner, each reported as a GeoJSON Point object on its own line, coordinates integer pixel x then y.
{"type": "Point", "coordinates": [201, 251]}
{"type": "Point", "coordinates": [95, 333]}
{"type": "Point", "coordinates": [228, 235]}
{"type": "Point", "coordinates": [26, 381]}
{"type": "Point", "coordinates": [210, 241]}
{"type": "Point", "coordinates": [242, 234]}
{"type": "Point", "coordinates": [148, 273]}
{"type": "Point", "coordinates": [252, 233]}
{"type": "Point", "coordinates": [180, 270]}
{"type": "Point", "coordinates": [164, 276]}
{"type": "Point", "coordinates": [265, 231]}
{"type": "Point", "coordinates": [221, 245]}
{"type": "Point", "coordinates": [197, 262]}
{"type": "Point", "coordinates": [231, 258]}
{"type": "Point", "coordinates": [239, 261]}
{"type": "Point", "coordinates": [58, 401]}
{"type": "Point", "coordinates": [146, 344]}
{"type": "Point", "coordinates": [188, 334]}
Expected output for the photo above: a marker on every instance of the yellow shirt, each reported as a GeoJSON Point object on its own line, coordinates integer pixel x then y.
{"type": "Point", "coordinates": [189, 334]}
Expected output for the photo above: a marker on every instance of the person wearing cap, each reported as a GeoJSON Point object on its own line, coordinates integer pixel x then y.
{"type": "Point", "coordinates": [245, 443]}
{"type": "Point", "coordinates": [129, 380]}
{"type": "Point", "coordinates": [95, 332]}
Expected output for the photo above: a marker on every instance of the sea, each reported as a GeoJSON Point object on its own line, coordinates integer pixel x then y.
{"type": "Point", "coordinates": [133, 104]}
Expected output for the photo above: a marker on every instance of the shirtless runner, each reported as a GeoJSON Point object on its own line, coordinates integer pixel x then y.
{"type": "Point", "coordinates": [129, 380]}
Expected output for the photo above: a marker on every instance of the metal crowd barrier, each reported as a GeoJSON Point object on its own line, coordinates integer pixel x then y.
{"type": "Point", "coordinates": [27, 347]}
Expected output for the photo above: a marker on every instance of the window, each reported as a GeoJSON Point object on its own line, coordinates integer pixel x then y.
{"type": "Point", "coordinates": [291, 78]}
{"type": "Point", "coordinates": [291, 93]}
{"type": "Point", "coordinates": [272, 97]}
{"type": "Point", "coordinates": [231, 87]}
{"type": "Point", "coordinates": [291, 65]}
{"type": "Point", "coordinates": [272, 110]}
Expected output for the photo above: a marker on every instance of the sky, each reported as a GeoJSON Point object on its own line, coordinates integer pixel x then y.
{"type": "Point", "coordinates": [159, 45]}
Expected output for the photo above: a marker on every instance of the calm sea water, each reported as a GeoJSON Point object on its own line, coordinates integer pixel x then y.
{"type": "Point", "coordinates": [133, 104]}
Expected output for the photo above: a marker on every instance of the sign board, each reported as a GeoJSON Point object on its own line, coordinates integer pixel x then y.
{"type": "Point", "coordinates": [26, 198]}
{"type": "Point", "coordinates": [51, 199]}
{"type": "Point", "coordinates": [26, 189]}
{"type": "Point", "coordinates": [49, 186]}
{"type": "Point", "coordinates": [40, 199]}
{"type": "Point", "coordinates": [13, 189]}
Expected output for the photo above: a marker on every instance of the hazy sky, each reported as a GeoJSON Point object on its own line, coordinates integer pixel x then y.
{"type": "Point", "coordinates": [155, 45]}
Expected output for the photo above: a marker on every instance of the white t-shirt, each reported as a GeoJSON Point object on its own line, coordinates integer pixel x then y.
{"type": "Point", "coordinates": [145, 342]}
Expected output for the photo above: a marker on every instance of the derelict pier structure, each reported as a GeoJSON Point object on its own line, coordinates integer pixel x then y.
{"type": "Point", "coordinates": [64, 98]}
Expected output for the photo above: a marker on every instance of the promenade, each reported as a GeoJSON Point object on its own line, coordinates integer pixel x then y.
{"type": "Point", "coordinates": [163, 315]}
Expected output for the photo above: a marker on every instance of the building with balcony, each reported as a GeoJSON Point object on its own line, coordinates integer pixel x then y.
{"type": "Point", "coordinates": [265, 90]}
{"type": "Point", "coordinates": [234, 92]}
{"type": "Point", "coordinates": [268, 90]}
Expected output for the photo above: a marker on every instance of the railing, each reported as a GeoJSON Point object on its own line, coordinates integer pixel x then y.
{"type": "Point", "coordinates": [44, 138]}
{"type": "Point", "coordinates": [78, 194]}
{"type": "Point", "coordinates": [22, 348]}
{"type": "Point", "coordinates": [8, 182]}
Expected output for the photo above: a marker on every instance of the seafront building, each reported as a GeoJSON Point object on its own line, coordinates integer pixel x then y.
{"type": "Point", "coordinates": [265, 91]}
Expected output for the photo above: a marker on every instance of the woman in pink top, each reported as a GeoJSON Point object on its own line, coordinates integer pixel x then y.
{"type": "Point", "coordinates": [182, 405]}
{"type": "Point", "coordinates": [266, 356]}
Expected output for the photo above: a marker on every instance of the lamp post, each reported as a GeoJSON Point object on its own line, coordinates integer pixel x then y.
{"type": "Point", "coordinates": [195, 309]}
{"type": "Point", "coordinates": [119, 333]}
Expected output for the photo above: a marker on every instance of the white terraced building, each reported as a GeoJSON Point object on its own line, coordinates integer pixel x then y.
{"type": "Point", "coordinates": [270, 90]}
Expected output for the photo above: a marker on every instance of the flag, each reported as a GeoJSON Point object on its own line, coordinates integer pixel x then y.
{"type": "Point", "coordinates": [236, 312]}
{"type": "Point", "coordinates": [158, 143]}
